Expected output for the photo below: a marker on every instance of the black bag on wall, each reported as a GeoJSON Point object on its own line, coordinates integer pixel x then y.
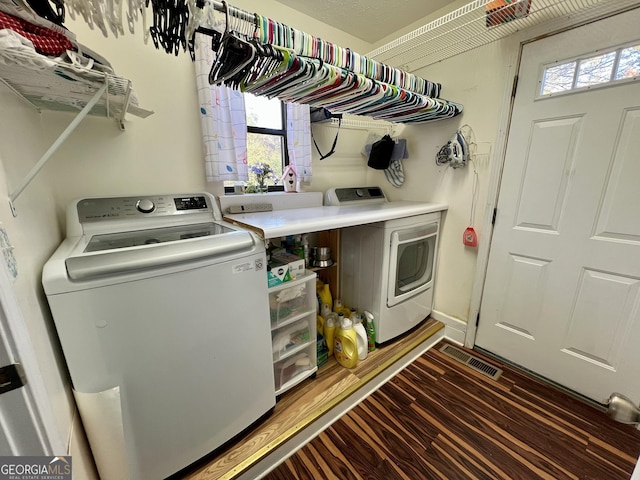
{"type": "Point", "coordinates": [381, 151]}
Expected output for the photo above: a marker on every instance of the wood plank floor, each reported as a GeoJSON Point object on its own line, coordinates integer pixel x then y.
{"type": "Point", "coordinates": [438, 419]}
{"type": "Point", "coordinates": [298, 407]}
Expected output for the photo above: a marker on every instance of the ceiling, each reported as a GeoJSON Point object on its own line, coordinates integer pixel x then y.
{"type": "Point", "coordinates": [369, 20]}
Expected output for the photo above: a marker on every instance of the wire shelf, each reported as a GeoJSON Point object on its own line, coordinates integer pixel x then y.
{"type": "Point", "coordinates": [50, 84]}
{"type": "Point", "coordinates": [360, 123]}
{"type": "Point", "coordinates": [471, 26]}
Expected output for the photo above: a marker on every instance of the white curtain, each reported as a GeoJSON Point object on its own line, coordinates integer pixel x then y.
{"type": "Point", "coordinates": [299, 140]}
{"type": "Point", "coordinates": [224, 124]}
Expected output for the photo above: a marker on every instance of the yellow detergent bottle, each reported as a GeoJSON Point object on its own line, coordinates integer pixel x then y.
{"type": "Point", "coordinates": [329, 331]}
{"type": "Point", "coordinates": [320, 324]}
{"type": "Point", "coordinates": [325, 296]}
{"type": "Point", "coordinates": [337, 305]}
{"type": "Point", "coordinates": [346, 344]}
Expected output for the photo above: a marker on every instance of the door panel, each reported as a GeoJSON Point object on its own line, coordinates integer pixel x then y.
{"type": "Point", "coordinates": [562, 292]}
{"type": "Point", "coordinates": [604, 305]}
{"type": "Point", "coordinates": [549, 156]}
{"type": "Point", "coordinates": [617, 219]}
{"type": "Point", "coordinates": [523, 298]}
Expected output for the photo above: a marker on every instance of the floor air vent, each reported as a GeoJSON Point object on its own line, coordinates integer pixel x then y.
{"type": "Point", "coordinates": [471, 361]}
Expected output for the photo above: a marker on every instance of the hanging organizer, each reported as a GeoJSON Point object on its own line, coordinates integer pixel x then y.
{"type": "Point", "coordinates": [49, 84]}
{"type": "Point", "coordinates": [261, 56]}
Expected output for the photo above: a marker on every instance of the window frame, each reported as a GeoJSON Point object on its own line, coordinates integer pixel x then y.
{"type": "Point", "coordinates": [280, 133]}
{"type": "Point", "coordinates": [275, 132]}
{"type": "Point", "coordinates": [578, 59]}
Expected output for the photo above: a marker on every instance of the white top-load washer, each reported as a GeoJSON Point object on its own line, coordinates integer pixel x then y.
{"type": "Point", "coordinates": [162, 313]}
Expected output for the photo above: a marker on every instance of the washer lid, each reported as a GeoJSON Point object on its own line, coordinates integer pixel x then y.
{"type": "Point", "coordinates": [114, 257]}
{"type": "Point", "coordinates": [112, 241]}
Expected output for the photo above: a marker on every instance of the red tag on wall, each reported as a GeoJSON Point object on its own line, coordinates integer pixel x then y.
{"type": "Point", "coordinates": [469, 237]}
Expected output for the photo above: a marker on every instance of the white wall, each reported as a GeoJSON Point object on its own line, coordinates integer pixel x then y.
{"type": "Point", "coordinates": [478, 80]}
{"type": "Point", "coordinates": [35, 233]}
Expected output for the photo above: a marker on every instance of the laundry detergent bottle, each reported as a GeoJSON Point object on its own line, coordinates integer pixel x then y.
{"type": "Point", "coordinates": [325, 297]}
{"type": "Point", "coordinates": [337, 306]}
{"type": "Point", "coordinates": [346, 344]}
{"type": "Point", "coordinates": [361, 336]}
{"type": "Point", "coordinates": [325, 310]}
{"type": "Point", "coordinates": [329, 331]}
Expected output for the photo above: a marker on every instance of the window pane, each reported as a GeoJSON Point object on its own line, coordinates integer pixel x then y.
{"type": "Point", "coordinates": [265, 149]}
{"type": "Point", "coordinates": [595, 70]}
{"type": "Point", "coordinates": [558, 78]}
{"type": "Point", "coordinates": [263, 112]}
{"type": "Point", "coordinates": [629, 65]}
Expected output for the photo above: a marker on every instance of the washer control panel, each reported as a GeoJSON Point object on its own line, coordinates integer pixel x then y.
{"type": "Point", "coordinates": [349, 195]}
{"type": "Point", "coordinates": [123, 208]}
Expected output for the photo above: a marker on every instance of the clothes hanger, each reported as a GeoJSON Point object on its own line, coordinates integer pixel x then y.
{"type": "Point", "coordinates": [319, 76]}
{"type": "Point", "coordinates": [113, 16]}
{"type": "Point", "coordinates": [232, 55]}
{"type": "Point", "coordinates": [302, 73]}
{"type": "Point", "coordinates": [336, 78]}
{"type": "Point", "coordinates": [261, 60]}
{"type": "Point", "coordinates": [44, 9]}
{"type": "Point", "coordinates": [270, 69]}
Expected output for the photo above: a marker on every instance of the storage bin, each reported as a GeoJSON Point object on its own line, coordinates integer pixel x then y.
{"type": "Point", "coordinates": [288, 369]}
{"type": "Point", "coordinates": [293, 331]}
{"type": "Point", "coordinates": [289, 339]}
{"type": "Point", "coordinates": [290, 301]}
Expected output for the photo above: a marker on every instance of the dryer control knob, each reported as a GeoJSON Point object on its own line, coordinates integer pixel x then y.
{"type": "Point", "coordinates": [145, 206]}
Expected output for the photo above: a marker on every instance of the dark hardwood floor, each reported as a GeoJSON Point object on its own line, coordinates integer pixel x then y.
{"type": "Point", "coordinates": [438, 419]}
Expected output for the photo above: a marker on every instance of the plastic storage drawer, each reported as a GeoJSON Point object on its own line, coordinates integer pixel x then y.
{"type": "Point", "coordinates": [291, 371]}
{"type": "Point", "coordinates": [290, 339]}
{"type": "Point", "coordinates": [292, 300]}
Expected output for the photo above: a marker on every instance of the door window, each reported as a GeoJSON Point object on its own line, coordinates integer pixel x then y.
{"type": "Point", "coordinates": [591, 70]}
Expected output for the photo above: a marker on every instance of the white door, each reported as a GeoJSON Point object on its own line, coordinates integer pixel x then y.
{"type": "Point", "coordinates": [562, 292]}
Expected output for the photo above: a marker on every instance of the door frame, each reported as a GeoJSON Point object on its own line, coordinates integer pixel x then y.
{"type": "Point", "coordinates": [15, 337]}
{"type": "Point", "coordinates": [513, 67]}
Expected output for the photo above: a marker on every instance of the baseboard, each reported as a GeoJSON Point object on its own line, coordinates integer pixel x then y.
{"type": "Point", "coordinates": [454, 329]}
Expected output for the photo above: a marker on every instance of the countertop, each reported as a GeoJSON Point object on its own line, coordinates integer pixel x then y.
{"type": "Point", "coordinates": [280, 223]}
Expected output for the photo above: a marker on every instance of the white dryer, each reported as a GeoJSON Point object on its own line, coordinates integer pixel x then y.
{"type": "Point", "coordinates": [162, 313]}
{"type": "Point", "coordinates": [388, 268]}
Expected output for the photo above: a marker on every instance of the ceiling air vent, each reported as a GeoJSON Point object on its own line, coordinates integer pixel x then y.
{"type": "Point", "coordinates": [472, 362]}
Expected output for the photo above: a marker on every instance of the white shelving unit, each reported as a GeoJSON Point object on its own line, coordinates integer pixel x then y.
{"type": "Point", "coordinates": [468, 27]}
{"type": "Point", "coordinates": [293, 331]}
{"type": "Point", "coordinates": [49, 84]}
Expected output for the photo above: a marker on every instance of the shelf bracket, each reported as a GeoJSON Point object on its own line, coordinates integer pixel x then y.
{"type": "Point", "coordinates": [13, 196]}
{"type": "Point", "coordinates": [125, 106]}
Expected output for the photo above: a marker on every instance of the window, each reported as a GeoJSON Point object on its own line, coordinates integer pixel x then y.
{"type": "Point", "coordinates": [266, 137]}
{"type": "Point", "coordinates": [591, 71]}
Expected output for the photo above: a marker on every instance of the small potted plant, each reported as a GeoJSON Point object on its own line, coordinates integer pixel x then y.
{"type": "Point", "coordinates": [262, 172]}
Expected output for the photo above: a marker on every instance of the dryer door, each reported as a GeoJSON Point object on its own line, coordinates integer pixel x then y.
{"type": "Point", "coordinates": [411, 262]}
